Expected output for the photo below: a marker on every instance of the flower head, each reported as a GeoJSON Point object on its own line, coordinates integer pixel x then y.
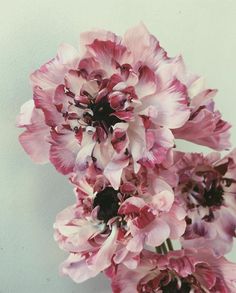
{"type": "Point", "coordinates": [111, 103]}
{"type": "Point", "coordinates": [108, 226]}
{"type": "Point", "coordinates": [183, 271]}
{"type": "Point", "coordinates": [207, 185]}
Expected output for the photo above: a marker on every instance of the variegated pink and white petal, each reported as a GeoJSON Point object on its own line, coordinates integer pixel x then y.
{"type": "Point", "coordinates": [35, 139]}
{"type": "Point", "coordinates": [144, 47]}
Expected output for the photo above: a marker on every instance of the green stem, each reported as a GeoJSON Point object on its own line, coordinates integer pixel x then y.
{"type": "Point", "coordinates": [169, 244]}
{"type": "Point", "coordinates": [164, 249]}
{"type": "Point", "coordinates": [158, 249]}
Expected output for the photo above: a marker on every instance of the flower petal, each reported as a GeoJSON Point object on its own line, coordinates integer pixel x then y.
{"type": "Point", "coordinates": [63, 151]}
{"type": "Point", "coordinates": [144, 47]}
{"type": "Point", "coordinates": [35, 138]}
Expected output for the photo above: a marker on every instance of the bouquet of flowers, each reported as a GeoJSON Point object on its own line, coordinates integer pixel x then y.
{"type": "Point", "coordinates": [107, 117]}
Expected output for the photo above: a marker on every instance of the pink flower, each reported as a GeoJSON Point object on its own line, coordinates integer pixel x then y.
{"type": "Point", "coordinates": [108, 226]}
{"type": "Point", "coordinates": [107, 117]}
{"type": "Point", "coordinates": [113, 103]}
{"type": "Point", "coordinates": [92, 231]}
{"type": "Point", "coordinates": [205, 125]}
{"type": "Point", "coordinates": [179, 271]}
{"type": "Point", "coordinates": [207, 185]}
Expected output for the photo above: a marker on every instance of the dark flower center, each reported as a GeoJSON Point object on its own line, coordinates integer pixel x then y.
{"type": "Point", "coordinates": [211, 196]}
{"type": "Point", "coordinates": [214, 196]}
{"type": "Point", "coordinates": [168, 284]}
{"type": "Point", "coordinates": [108, 203]}
{"type": "Point", "coordinates": [96, 113]}
{"type": "Point", "coordinates": [172, 287]}
{"type": "Point", "coordinates": [102, 114]}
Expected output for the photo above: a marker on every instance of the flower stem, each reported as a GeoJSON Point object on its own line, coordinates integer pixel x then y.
{"type": "Point", "coordinates": [164, 249]}
{"type": "Point", "coordinates": [169, 244]}
{"type": "Point", "coordinates": [158, 249]}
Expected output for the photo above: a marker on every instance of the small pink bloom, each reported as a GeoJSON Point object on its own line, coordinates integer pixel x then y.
{"type": "Point", "coordinates": [207, 186]}
{"type": "Point", "coordinates": [108, 226]}
{"type": "Point", "coordinates": [92, 230]}
{"type": "Point", "coordinates": [179, 271]}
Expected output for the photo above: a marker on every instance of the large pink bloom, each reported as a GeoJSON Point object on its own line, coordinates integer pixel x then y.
{"type": "Point", "coordinates": [114, 102]}
{"type": "Point", "coordinates": [108, 226]}
{"type": "Point", "coordinates": [183, 271]}
{"type": "Point", "coordinates": [207, 185]}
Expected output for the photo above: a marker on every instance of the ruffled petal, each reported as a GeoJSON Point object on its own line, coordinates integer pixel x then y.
{"type": "Point", "coordinates": [147, 82]}
{"type": "Point", "coordinates": [63, 151]}
{"type": "Point", "coordinates": [51, 74]}
{"type": "Point", "coordinates": [44, 102]}
{"type": "Point", "coordinates": [156, 233]}
{"type": "Point", "coordinates": [114, 169]}
{"type": "Point", "coordinates": [77, 269]}
{"type": "Point", "coordinates": [144, 47]}
{"type": "Point", "coordinates": [206, 128]}
{"type": "Point", "coordinates": [34, 139]}
{"type": "Point", "coordinates": [171, 109]}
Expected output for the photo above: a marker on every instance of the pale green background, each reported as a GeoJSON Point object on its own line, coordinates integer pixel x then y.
{"type": "Point", "coordinates": [203, 31]}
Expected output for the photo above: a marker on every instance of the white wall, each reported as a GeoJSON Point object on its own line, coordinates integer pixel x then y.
{"type": "Point", "coordinates": [204, 31]}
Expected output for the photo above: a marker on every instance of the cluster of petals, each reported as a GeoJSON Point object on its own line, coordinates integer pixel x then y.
{"type": "Point", "coordinates": [107, 116]}
{"type": "Point", "coordinates": [108, 226]}
{"type": "Point", "coordinates": [206, 184]}
{"type": "Point", "coordinates": [205, 125]}
{"type": "Point", "coordinates": [188, 271]}
{"type": "Point", "coordinates": [113, 100]}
